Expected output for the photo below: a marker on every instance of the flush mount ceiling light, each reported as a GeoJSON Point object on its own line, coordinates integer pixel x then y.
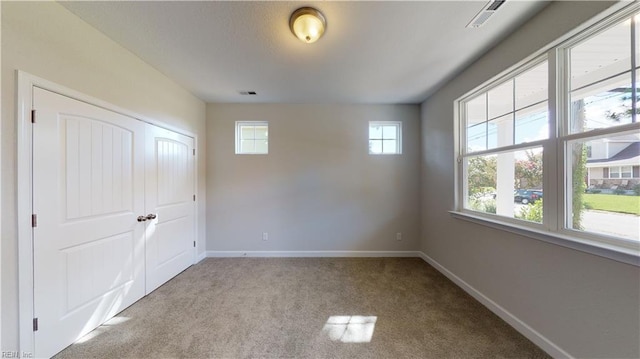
{"type": "Point", "coordinates": [307, 24]}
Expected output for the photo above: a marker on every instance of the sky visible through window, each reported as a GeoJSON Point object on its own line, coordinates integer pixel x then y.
{"type": "Point", "coordinates": [535, 126]}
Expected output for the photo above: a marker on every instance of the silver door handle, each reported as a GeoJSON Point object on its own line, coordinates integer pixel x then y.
{"type": "Point", "coordinates": [151, 216]}
{"type": "Point", "coordinates": [142, 218]}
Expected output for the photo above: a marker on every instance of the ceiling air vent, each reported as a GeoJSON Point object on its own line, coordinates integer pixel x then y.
{"type": "Point", "coordinates": [483, 16]}
{"type": "Point", "coordinates": [250, 93]}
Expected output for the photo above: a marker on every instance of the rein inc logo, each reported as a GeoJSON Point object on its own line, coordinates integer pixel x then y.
{"type": "Point", "coordinates": [16, 354]}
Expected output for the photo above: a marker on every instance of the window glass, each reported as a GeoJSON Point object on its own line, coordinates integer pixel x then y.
{"type": "Point", "coordinates": [600, 196]}
{"type": "Point", "coordinates": [252, 137]}
{"type": "Point", "coordinates": [247, 146]}
{"type": "Point", "coordinates": [614, 172]}
{"type": "Point", "coordinates": [517, 112]}
{"type": "Point", "coordinates": [261, 132]}
{"type": "Point", "coordinates": [532, 123]}
{"type": "Point", "coordinates": [385, 137]}
{"type": "Point", "coordinates": [390, 132]}
{"type": "Point", "coordinates": [532, 87]}
{"type": "Point", "coordinates": [476, 110]}
{"type": "Point", "coordinates": [375, 132]}
{"type": "Point", "coordinates": [500, 100]}
{"type": "Point", "coordinates": [600, 80]}
{"type": "Point", "coordinates": [507, 184]}
{"type": "Point", "coordinates": [500, 132]}
{"type": "Point", "coordinates": [477, 137]}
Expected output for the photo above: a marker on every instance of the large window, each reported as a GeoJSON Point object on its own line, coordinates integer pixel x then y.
{"type": "Point", "coordinates": [553, 145]}
{"type": "Point", "coordinates": [252, 137]}
{"type": "Point", "coordinates": [502, 156]}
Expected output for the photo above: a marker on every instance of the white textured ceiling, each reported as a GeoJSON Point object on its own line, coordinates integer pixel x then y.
{"type": "Point", "coordinates": [372, 52]}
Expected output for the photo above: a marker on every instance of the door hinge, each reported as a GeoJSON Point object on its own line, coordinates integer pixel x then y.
{"type": "Point", "coordinates": [33, 116]}
{"type": "Point", "coordinates": [35, 324]}
{"type": "Point", "coordinates": [194, 151]}
{"type": "Point", "coordinates": [34, 220]}
{"type": "Point", "coordinates": [194, 244]}
{"type": "Point", "coordinates": [194, 197]}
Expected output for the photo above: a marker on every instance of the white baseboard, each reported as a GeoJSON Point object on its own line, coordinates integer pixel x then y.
{"type": "Point", "coordinates": [274, 254]}
{"type": "Point", "coordinates": [201, 256]}
{"type": "Point", "coordinates": [522, 327]}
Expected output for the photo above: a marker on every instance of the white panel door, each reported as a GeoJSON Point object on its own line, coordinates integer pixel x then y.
{"type": "Point", "coordinates": [88, 190]}
{"type": "Point", "coordinates": [169, 190]}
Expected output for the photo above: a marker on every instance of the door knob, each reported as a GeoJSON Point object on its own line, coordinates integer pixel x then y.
{"type": "Point", "coordinates": [151, 216]}
{"type": "Point", "coordinates": [142, 218]}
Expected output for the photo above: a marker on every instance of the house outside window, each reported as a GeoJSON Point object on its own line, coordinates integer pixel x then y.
{"type": "Point", "coordinates": [566, 128]}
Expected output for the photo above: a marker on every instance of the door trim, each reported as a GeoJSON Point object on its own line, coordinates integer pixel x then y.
{"type": "Point", "coordinates": [24, 103]}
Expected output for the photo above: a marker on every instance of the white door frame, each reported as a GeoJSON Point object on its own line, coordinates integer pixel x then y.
{"type": "Point", "coordinates": [24, 103]}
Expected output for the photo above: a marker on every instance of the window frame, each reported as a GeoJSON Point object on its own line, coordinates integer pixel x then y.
{"type": "Point", "coordinates": [397, 125]}
{"type": "Point", "coordinates": [238, 136]}
{"type": "Point", "coordinates": [556, 176]}
{"type": "Point", "coordinates": [462, 153]}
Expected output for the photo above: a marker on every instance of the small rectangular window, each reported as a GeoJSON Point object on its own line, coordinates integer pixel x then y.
{"type": "Point", "coordinates": [614, 172]}
{"type": "Point", "coordinates": [385, 138]}
{"type": "Point", "coordinates": [252, 137]}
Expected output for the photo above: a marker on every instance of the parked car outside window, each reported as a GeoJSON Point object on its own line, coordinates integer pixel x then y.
{"type": "Point", "coordinates": [526, 196]}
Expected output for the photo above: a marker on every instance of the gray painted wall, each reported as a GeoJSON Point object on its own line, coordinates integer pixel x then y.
{"type": "Point", "coordinates": [46, 40]}
{"type": "Point", "coordinates": [318, 188]}
{"type": "Point", "coordinates": [587, 305]}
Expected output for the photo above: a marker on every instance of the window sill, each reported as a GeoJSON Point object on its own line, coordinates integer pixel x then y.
{"type": "Point", "coordinates": [628, 256]}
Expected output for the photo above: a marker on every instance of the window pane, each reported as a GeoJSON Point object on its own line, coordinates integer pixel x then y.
{"type": "Point", "coordinates": [627, 171]}
{"type": "Point", "coordinates": [389, 132]}
{"type": "Point", "coordinates": [261, 132]}
{"type": "Point", "coordinates": [601, 56]}
{"type": "Point", "coordinates": [599, 200]}
{"type": "Point", "coordinates": [501, 100]}
{"type": "Point", "coordinates": [532, 124]}
{"type": "Point", "coordinates": [507, 184]}
{"type": "Point", "coordinates": [261, 146]}
{"type": "Point", "coordinates": [247, 132]}
{"type": "Point", "coordinates": [476, 110]}
{"type": "Point", "coordinates": [385, 137]}
{"type": "Point", "coordinates": [614, 172]}
{"type": "Point", "coordinates": [481, 183]}
{"type": "Point", "coordinates": [247, 146]}
{"type": "Point", "coordinates": [375, 146]}
{"type": "Point", "coordinates": [389, 146]}
{"type": "Point", "coordinates": [500, 132]}
{"type": "Point", "coordinates": [603, 105]}
{"type": "Point", "coordinates": [528, 194]}
{"type": "Point", "coordinates": [477, 137]}
{"type": "Point", "coordinates": [375, 132]}
{"type": "Point", "coordinates": [601, 80]}
{"type": "Point", "coordinates": [532, 86]}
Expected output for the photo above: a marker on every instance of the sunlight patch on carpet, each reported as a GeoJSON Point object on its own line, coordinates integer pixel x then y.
{"type": "Point", "coordinates": [350, 328]}
{"type": "Point", "coordinates": [101, 329]}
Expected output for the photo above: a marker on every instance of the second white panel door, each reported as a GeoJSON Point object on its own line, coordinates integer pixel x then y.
{"type": "Point", "coordinates": [169, 197]}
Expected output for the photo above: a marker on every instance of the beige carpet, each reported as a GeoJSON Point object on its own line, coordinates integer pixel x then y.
{"type": "Point", "coordinates": [307, 308]}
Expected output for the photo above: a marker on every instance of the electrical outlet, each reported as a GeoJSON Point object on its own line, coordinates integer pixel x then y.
{"type": "Point", "coordinates": [399, 236]}
{"type": "Point", "coordinates": [265, 236]}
